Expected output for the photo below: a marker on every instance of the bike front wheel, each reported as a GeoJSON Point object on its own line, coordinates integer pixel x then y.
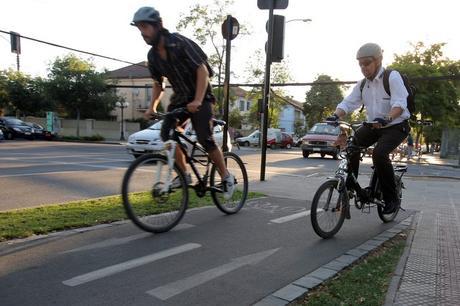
{"type": "Point", "coordinates": [236, 167]}
{"type": "Point", "coordinates": [147, 200]}
{"type": "Point", "coordinates": [328, 209]}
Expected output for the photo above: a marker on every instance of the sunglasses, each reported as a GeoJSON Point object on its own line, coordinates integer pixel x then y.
{"type": "Point", "coordinates": [365, 63]}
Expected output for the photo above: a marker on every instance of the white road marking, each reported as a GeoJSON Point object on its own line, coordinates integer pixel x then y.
{"type": "Point", "coordinates": [291, 217]}
{"type": "Point", "coordinates": [284, 174]}
{"type": "Point", "coordinates": [127, 265]}
{"type": "Point", "coordinates": [288, 218]}
{"type": "Point", "coordinates": [175, 288]}
{"type": "Point", "coordinates": [119, 241]}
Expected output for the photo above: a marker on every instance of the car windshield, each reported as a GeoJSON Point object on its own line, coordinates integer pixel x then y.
{"type": "Point", "coordinates": [324, 129]}
{"type": "Point", "coordinates": [15, 121]}
{"type": "Point", "coordinates": [156, 126]}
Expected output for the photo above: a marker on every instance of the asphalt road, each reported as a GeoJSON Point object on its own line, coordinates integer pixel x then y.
{"type": "Point", "coordinates": [38, 173]}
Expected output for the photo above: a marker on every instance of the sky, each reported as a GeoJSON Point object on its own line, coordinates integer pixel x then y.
{"type": "Point", "coordinates": [326, 45]}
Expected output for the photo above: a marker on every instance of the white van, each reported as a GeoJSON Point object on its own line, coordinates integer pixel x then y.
{"type": "Point", "coordinates": [253, 139]}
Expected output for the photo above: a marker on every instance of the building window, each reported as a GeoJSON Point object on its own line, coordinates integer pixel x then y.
{"type": "Point", "coordinates": [248, 105]}
{"type": "Point", "coordinates": [148, 95]}
{"type": "Point", "coordinates": [242, 105]}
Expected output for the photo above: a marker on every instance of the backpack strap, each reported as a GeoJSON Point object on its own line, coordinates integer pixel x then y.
{"type": "Point", "coordinates": [361, 87]}
{"type": "Point", "coordinates": [386, 80]}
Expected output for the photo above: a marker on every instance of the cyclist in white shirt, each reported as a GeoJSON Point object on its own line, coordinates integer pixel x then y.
{"type": "Point", "coordinates": [389, 112]}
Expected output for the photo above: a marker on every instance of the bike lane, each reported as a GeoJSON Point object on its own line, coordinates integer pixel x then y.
{"type": "Point", "coordinates": [209, 259]}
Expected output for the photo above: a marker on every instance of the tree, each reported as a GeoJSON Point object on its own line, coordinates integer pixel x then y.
{"type": "Point", "coordinates": [206, 22]}
{"type": "Point", "coordinates": [256, 73]}
{"type": "Point", "coordinates": [79, 89]}
{"type": "Point", "coordinates": [435, 100]}
{"type": "Point", "coordinates": [321, 100]}
{"type": "Point", "coordinates": [25, 95]}
{"type": "Point", "coordinates": [235, 119]}
{"type": "Point", "coordinates": [3, 90]}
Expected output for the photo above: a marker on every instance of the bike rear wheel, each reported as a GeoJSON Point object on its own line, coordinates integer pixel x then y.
{"type": "Point", "coordinates": [390, 217]}
{"type": "Point", "coordinates": [147, 202]}
{"type": "Point", "coordinates": [236, 167]}
{"type": "Point", "coordinates": [328, 209]}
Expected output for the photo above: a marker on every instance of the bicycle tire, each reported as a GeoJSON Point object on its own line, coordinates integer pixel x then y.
{"type": "Point", "coordinates": [145, 203]}
{"type": "Point", "coordinates": [236, 167]}
{"type": "Point", "coordinates": [317, 213]}
{"type": "Point", "coordinates": [390, 217]}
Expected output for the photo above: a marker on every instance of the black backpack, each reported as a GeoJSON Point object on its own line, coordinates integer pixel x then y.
{"type": "Point", "coordinates": [386, 85]}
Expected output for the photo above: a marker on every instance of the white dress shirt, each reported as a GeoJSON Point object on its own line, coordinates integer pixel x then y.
{"type": "Point", "coordinates": [374, 97]}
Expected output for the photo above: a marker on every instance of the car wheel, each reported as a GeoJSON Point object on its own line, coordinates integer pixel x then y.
{"type": "Point", "coordinates": [288, 146]}
{"type": "Point", "coordinates": [335, 156]}
{"type": "Point", "coordinates": [9, 136]}
{"type": "Point", "coordinates": [322, 155]}
{"type": "Point", "coordinates": [305, 154]}
{"type": "Point", "coordinates": [247, 144]}
{"type": "Point", "coordinates": [273, 146]}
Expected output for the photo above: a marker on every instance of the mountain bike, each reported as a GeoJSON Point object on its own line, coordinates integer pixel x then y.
{"type": "Point", "coordinates": [331, 202]}
{"type": "Point", "coordinates": [152, 201]}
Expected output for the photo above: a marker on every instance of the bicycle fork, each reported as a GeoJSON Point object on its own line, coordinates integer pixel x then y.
{"type": "Point", "coordinates": [170, 148]}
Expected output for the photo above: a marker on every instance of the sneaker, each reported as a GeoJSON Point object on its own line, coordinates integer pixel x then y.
{"type": "Point", "coordinates": [228, 184]}
{"type": "Point", "coordinates": [176, 183]}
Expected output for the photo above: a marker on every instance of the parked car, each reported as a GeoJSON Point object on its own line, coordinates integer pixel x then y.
{"type": "Point", "coordinates": [253, 139]}
{"type": "Point", "coordinates": [321, 138]}
{"type": "Point", "coordinates": [39, 132]}
{"type": "Point", "coordinates": [13, 128]}
{"type": "Point", "coordinates": [149, 140]}
{"type": "Point", "coordinates": [285, 141]}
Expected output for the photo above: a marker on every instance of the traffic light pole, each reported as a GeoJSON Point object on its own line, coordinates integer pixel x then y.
{"type": "Point", "coordinates": [228, 46]}
{"type": "Point", "coordinates": [266, 98]}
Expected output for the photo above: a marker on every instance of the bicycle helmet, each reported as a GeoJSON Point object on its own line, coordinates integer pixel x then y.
{"type": "Point", "coordinates": [369, 50]}
{"type": "Point", "coordinates": [146, 14]}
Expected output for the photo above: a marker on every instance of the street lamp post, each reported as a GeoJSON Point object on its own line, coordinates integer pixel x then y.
{"type": "Point", "coordinates": [122, 106]}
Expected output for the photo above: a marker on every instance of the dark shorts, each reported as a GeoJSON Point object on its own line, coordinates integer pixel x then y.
{"type": "Point", "coordinates": [201, 122]}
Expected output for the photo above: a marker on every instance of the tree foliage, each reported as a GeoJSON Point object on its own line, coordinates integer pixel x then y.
{"type": "Point", "coordinates": [22, 94]}
{"type": "Point", "coordinates": [79, 89]}
{"type": "Point", "coordinates": [205, 22]}
{"type": "Point", "coordinates": [436, 100]}
{"type": "Point", "coordinates": [321, 100]}
{"type": "Point", "coordinates": [256, 73]}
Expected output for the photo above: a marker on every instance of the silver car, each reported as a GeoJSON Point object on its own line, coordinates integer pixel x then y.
{"type": "Point", "coordinates": [149, 140]}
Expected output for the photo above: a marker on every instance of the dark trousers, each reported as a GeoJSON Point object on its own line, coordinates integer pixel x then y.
{"type": "Point", "coordinates": [386, 140]}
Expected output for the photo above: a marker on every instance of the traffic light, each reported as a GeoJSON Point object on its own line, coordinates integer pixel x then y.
{"type": "Point", "coordinates": [15, 40]}
{"type": "Point", "coordinates": [278, 38]}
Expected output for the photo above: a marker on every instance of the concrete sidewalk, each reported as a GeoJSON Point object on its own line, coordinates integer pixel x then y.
{"type": "Point", "coordinates": [429, 270]}
{"type": "Point", "coordinates": [434, 159]}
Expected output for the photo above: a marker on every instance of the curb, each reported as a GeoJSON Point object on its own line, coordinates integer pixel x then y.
{"type": "Point", "coordinates": [303, 285]}
{"type": "Point", "coordinates": [396, 279]}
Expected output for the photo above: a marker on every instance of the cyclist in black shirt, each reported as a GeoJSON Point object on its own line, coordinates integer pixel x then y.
{"type": "Point", "coordinates": [185, 66]}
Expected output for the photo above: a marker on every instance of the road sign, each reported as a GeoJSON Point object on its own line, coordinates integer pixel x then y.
{"type": "Point", "coordinates": [272, 4]}
{"type": "Point", "coordinates": [234, 26]}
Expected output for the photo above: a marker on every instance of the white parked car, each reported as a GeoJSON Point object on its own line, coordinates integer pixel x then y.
{"type": "Point", "coordinates": [149, 140]}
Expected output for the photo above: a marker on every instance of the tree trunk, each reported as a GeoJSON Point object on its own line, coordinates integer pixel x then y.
{"type": "Point", "coordinates": [78, 122]}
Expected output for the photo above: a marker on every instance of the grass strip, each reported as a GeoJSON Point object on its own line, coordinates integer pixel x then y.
{"type": "Point", "coordinates": [364, 283]}
{"type": "Point", "coordinates": [26, 222]}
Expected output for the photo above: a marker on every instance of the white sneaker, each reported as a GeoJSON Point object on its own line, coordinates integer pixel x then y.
{"type": "Point", "coordinates": [228, 184]}
{"type": "Point", "coordinates": [176, 183]}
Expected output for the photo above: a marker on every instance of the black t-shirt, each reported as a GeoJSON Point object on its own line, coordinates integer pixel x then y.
{"type": "Point", "coordinates": [183, 58]}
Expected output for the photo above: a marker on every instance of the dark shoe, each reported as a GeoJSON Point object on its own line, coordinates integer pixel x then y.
{"type": "Point", "coordinates": [391, 207]}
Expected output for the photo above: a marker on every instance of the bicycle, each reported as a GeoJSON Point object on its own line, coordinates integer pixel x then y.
{"type": "Point", "coordinates": [155, 205]}
{"type": "Point", "coordinates": [331, 202]}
